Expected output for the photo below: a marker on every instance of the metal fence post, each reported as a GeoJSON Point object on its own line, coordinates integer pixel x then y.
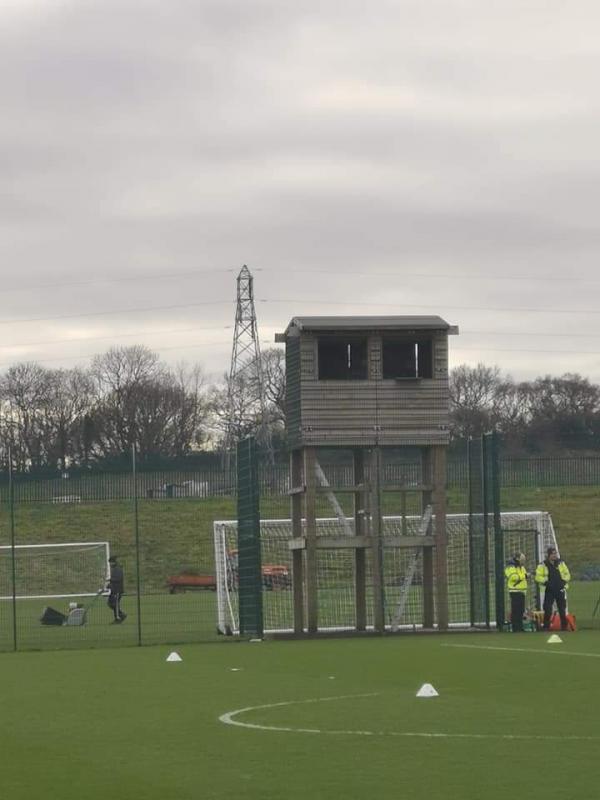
{"type": "Point", "coordinates": [13, 551]}
{"type": "Point", "coordinates": [478, 536]}
{"type": "Point", "coordinates": [249, 557]}
{"type": "Point", "coordinates": [494, 454]}
{"type": "Point", "coordinates": [136, 529]}
{"type": "Point", "coordinates": [485, 479]}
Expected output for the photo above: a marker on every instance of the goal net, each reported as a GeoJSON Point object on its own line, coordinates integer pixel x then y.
{"type": "Point", "coordinates": [72, 569]}
{"type": "Point", "coordinates": [528, 531]}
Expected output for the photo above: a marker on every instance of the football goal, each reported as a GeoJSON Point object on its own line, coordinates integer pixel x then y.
{"type": "Point", "coordinates": [527, 531]}
{"type": "Point", "coordinates": [71, 569]}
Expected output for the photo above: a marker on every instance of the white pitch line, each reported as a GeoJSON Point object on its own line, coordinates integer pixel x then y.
{"type": "Point", "coordinates": [229, 719]}
{"type": "Point", "coordinates": [524, 650]}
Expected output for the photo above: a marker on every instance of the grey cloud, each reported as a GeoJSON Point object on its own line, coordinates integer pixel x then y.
{"type": "Point", "coordinates": [432, 137]}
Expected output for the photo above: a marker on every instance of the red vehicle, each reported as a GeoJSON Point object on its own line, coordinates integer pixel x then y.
{"type": "Point", "coordinates": [179, 583]}
{"type": "Point", "coordinates": [274, 576]}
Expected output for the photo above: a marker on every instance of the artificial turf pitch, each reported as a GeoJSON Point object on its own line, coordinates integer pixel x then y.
{"type": "Point", "coordinates": [330, 719]}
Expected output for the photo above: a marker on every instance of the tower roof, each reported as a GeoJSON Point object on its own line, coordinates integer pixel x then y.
{"type": "Point", "coordinates": [355, 323]}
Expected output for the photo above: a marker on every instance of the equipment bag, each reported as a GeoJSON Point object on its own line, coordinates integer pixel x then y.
{"type": "Point", "coordinates": [50, 616]}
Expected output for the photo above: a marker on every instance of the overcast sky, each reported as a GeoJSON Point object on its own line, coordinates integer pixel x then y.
{"type": "Point", "coordinates": [427, 157]}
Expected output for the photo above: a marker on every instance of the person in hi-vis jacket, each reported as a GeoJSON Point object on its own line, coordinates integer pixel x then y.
{"type": "Point", "coordinates": [516, 582]}
{"type": "Point", "coordinates": [553, 576]}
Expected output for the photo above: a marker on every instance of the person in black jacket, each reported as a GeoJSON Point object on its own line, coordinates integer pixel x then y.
{"type": "Point", "coordinates": [553, 576]}
{"type": "Point", "coordinates": [116, 589]}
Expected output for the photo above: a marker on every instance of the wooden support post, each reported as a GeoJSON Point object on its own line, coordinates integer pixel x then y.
{"type": "Point", "coordinates": [440, 535]}
{"type": "Point", "coordinates": [376, 542]}
{"type": "Point", "coordinates": [297, 555]}
{"type": "Point", "coordinates": [428, 580]}
{"type": "Point", "coordinates": [360, 571]}
{"type": "Point", "coordinates": [310, 509]}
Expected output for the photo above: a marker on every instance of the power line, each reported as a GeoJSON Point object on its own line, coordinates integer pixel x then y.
{"type": "Point", "coordinates": [145, 277]}
{"type": "Point", "coordinates": [91, 355]}
{"type": "Point", "coordinates": [545, 334]}
{"type": "Point", "coordinates": [149, 277]}
{"type": "Point", "coordinates": [167, 331]}
{"type": "Point", "coordinates": [118, 335]}
{"type": "Point", "coordinates": [400, 273]}
{"type": "Point", "coordinates": [296, 300]}
{"type": "Point", "coordinates": [399, 306]}
{"type": "Point", "coordinates": [116, 311]}
{"type": "Point", "coordinates": [524, 350]}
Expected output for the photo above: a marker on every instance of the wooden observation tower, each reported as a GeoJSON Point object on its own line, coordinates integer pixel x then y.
{"type": "Point", "coordinates": [367, 384]}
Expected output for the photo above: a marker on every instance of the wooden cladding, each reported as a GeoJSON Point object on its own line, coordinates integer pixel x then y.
{"type": "Point", "coordinates": [378, 387]}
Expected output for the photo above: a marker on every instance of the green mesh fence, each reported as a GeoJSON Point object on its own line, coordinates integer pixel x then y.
{"type": "Point", "coordinates": [63, 536]}
{"type": "Point", "coordinates": [495, 537]}
{"type": "Point", "coordinates": [64, 527]}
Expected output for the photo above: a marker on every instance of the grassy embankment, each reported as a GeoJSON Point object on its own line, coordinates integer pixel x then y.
{"type": "Point", "coordinates": [176, 533]}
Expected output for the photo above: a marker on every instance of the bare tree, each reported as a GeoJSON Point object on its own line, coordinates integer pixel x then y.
{"type": "Point", "coordinates": [169, 418]}
{"type": "Point", "coordinates": [273, 367]}
{"type": "Point", "coordinates": [121, 376]}
{"type": "Point", "coordinates": [475, 399]}
{"type": "Point", "coordinates": [229, 411]}
{"type": "Point", "coordinates": [232, 413]}
{"type": "Point", "coordinates": [562, 412]}
{"type": "Point", "coordinates": [189, 426]}
{"type": "Point", "coordinates": [23, 390]}
{"type": "Point", "coordinates": [143, 403]}
{"type": "Point", "coordinates": [68, 400]}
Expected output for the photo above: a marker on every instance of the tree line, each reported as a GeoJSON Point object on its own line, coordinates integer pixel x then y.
{"type": "Point", "coordinates": [55, 419]}
{"type": "Point", "coordinates": [544, 415]}
{"type": "Point", "coordinates": [61, 418]}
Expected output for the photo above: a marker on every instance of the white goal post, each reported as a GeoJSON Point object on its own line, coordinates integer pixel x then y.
{"type": "Point", "coordinates": [44, 571]}
{"type": "Point", "coordinates": [530, 531]}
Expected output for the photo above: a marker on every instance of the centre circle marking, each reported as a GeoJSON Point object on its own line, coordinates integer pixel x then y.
{"type": "Point", "coordinates": [231, 718]}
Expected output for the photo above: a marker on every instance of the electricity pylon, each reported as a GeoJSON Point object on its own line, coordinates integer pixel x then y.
{"type": "Point", "coordinates": [247, 407]}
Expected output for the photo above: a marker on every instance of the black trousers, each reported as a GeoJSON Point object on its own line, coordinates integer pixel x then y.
{"type": "Point", "coordinates": [114, 602]}
{"type": "Point", "coordinates": [559, 597]}
{"type": "Point", "coordinates": [517, 609]}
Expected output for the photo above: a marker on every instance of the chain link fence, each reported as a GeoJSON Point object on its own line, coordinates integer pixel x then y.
{"type": "Point", "coordinates": [214, 481]}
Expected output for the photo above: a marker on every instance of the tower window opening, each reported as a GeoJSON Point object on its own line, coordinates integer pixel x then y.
{"type": "Point", "coordinates": [342, 358]}
{"type": "Point", "coordinates": [407, 358]}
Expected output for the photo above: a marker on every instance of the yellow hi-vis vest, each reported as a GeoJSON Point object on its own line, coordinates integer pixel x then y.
{"type": "Point", "coordinates": [516, 578]}
{"type": "Point", "coordinates": [541, 573]}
